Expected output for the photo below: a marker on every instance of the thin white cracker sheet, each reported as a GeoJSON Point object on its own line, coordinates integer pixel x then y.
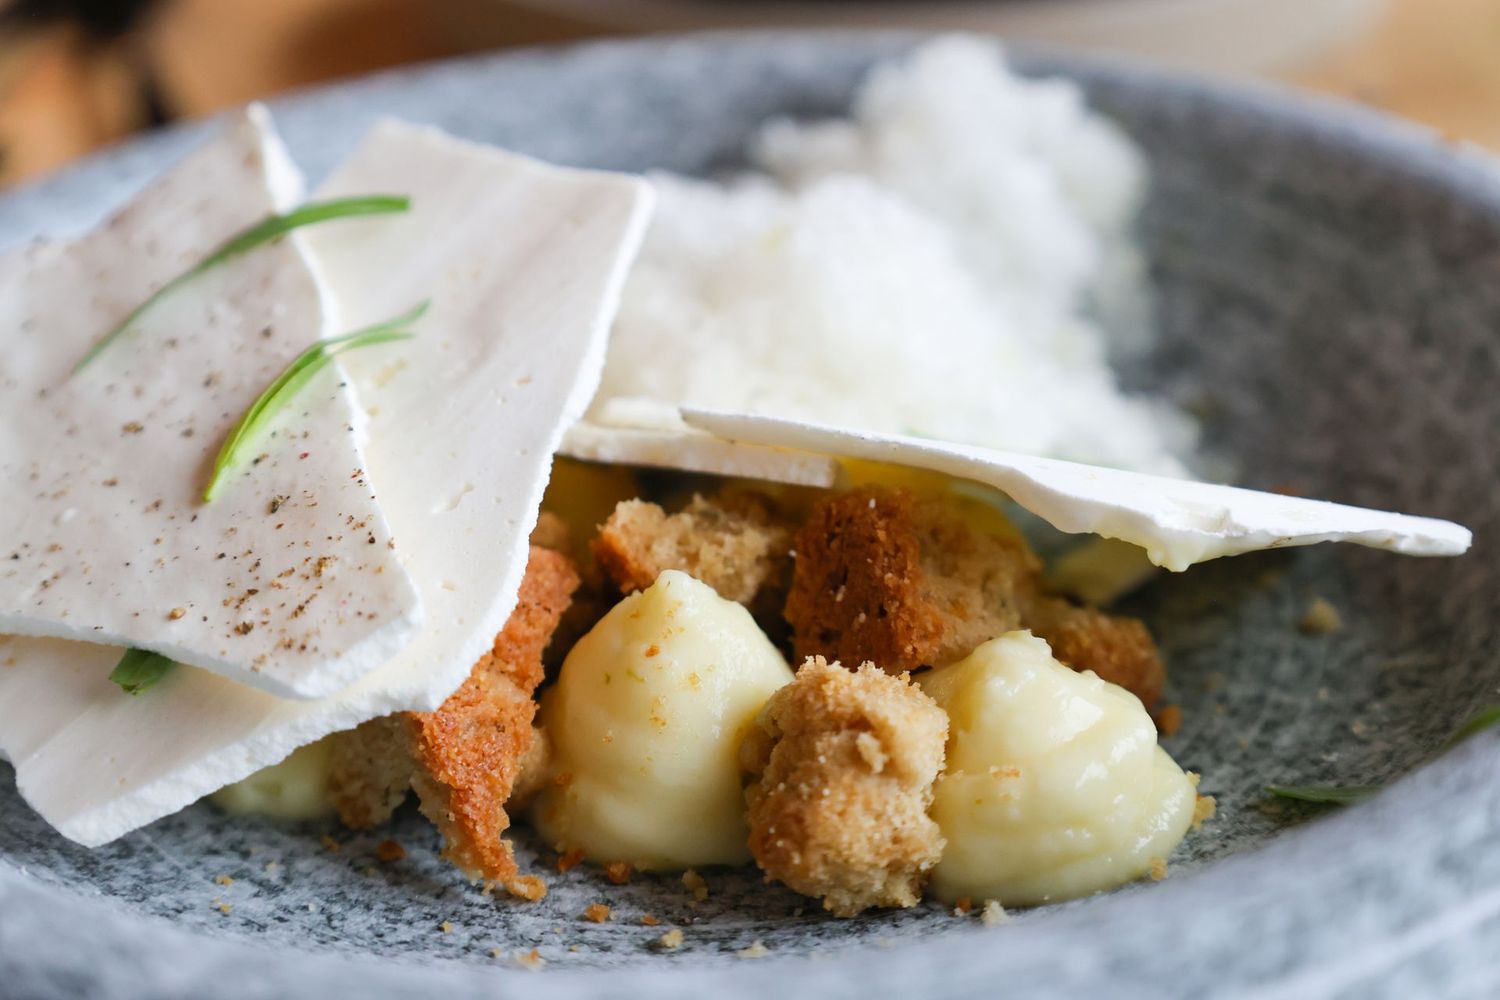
{"type": "Point", "coordinates": [1178, 522]}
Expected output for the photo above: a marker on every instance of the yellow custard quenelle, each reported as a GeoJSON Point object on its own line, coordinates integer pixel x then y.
{"type": "Point", "coordinates": [1054, 787]}
{"type": "Point", "coordinates": [646, 720]}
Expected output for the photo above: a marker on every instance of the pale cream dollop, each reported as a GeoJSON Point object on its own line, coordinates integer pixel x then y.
{"type": "Point", "coordinates": [295, 789]}
{"type": "Point", "coordinates": [646, 720]}
{"type": "Point", "coordinates": [1055, 787]}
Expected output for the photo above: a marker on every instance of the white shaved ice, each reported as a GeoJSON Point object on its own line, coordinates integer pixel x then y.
{"type": "Point", "coordinates": [953, 261]}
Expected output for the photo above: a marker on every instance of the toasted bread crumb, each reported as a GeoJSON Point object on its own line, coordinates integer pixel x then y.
{"type": "Point", "coordinates": [531, 960]}
{"type": "Point", "coordinates": [1169, 720]}
{"type": "Point", "coordinates": [842, 766]}
{"type": "Point", "coordinates": [730, 543]}
{"type": "Point", "coordinates": [223, 880]}
{"type": "Point", "coordinates": [389, 850]}
{"type": "Point", "coordinates": [647, 920]}
{"type": "Point", "coordinates": [1204, 809]}
{"type": "Point", "coordinates": [671, 940]}
{"type": "Point", "coordinates": [446, 927]}
{"type": "Point", "coordinates": [569, 860]}
{"type": "Point", "coordinates": [617, 872]}
{"type": "Point", "coordinates": [527, 887]}
{"type": "Point", "coordinates": [1158, 869]}
{"type": "Point", "coordinates": [963, 906]}
{"type": "Point", "coordinates": [696, 885]}
{"type": "Point", "coordinates": [905, 582]}
{"type": "Point", "coordinates": [596, 913]}
{"type": "Point", "coordinates": [757, 949]}
{"type": "Point", "coordinates": [1320, 618]}
{"type": "Point", "coordinates": [993, 914]}
{"type": "Point", "coordinates": [551, 532]}
{"type": "Point", "coordinates": [222, 906]}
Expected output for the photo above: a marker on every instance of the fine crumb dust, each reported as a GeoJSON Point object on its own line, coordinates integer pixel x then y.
{"type": "Point", "coordinates": [993, 914]}
{"type": "Point", "coordinates": [671, 940]}
{"type": "Point", "coordinates": [389, 850]}
{"type": "Point", "coordinates": [1204, 809]}
{"type": "Point", "coordinates": [1320, 618]}
{"type": "Point", "coordinates": [695, 884]}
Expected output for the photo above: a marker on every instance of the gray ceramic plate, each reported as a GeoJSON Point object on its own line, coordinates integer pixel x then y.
{"type": "Point", "coordinates": [1330, 297]}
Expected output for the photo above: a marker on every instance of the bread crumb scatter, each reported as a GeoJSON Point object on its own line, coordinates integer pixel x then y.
{"type": "Point", "coordinates": [1158, 869]}
{"type": "Point", "coordinates": [1320, 618]}
{"type": "Point", "coordinates": [568, 861]}
{"type": "Point", "coordinates": [696, 885]}
{"type": "Point", "coordinates": [671, 940]}
{"type": "Point", "coordinates": [531, 960]}
{"type": "Point", "coordinates": [757, 949]}
{"type": "Point", "coordinates": [527, 887]}
{"type": "Point", "coordinates": [389, 850]}
{"type": "Point", "coordinates": [1204, 810]}
{"type": "Point", "coordinates": [963, 906]}
{"type": "Point", "coordinates": [993, 914]}
{"type": "Point", "coordinates": [597, 913]}
{"type": "Point", "coordinates": [647, 920]}
{"type": "Point", "coordinates": [223, 880]}
{"type": "Point", "coordinates": [446, 927]}
{"type": "Point", "coordinates": [618, 872]}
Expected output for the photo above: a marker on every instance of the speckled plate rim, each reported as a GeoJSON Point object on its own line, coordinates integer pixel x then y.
{"type": "Point", "coordinates": [1325, 889]}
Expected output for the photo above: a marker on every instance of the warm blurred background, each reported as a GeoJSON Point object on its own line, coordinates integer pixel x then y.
{"type": "Point", "coordinates": [79, 74]}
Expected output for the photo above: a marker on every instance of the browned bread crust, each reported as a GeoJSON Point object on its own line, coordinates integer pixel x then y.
{"type": "Point", "coordinates": [905, 582]}
{"type": "Point", "coordinates": [464, 758]}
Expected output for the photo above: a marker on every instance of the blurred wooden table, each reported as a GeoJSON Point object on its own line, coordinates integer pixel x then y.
{"type": "Point", "coordinates": [1436, 61]}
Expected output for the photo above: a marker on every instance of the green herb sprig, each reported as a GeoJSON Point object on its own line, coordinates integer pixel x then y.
{"type": "Point", "coordinates": [140, 669]}
{"type": "Point", "coordinates": [1343, 795]}
{"type": "Point", "coordinates": [241, 440]}
{"type": "Point", "coordinates": [1332, 795]}
{"type": "Point", "coordinates": [263, 232]}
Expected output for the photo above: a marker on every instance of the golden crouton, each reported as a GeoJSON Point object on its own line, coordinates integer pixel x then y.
{"type": "Point", "coordinates": [464, 758]}
{"type": "Point", "coordinates": [906, 583]}
{"type": "Point", "coordinates": [843, 765]}
{"type": "Point", "coordinates": [732, 544]}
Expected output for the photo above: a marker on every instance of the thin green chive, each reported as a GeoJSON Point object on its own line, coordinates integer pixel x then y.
{"type": "Point", "coordinates": [242, 439]}
{"type": "Point", "coordinates": [258, 235]}
{"type": "Point", "coordinates": [1334, 795]}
